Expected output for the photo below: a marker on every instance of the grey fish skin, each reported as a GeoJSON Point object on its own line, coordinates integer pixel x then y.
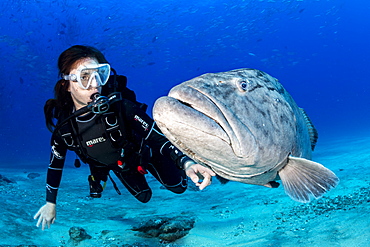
{"type": "Point", "coordinates": [246, 127]}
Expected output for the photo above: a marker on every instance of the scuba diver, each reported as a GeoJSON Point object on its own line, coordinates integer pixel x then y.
{"type": "Point", "coordinates": [99, 119]}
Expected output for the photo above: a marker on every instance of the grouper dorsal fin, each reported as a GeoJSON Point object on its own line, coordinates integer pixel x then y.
{"type": "Point", "coordinates": [314, 135]}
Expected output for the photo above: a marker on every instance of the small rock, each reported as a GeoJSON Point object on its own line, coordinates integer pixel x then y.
{"type": "Point", "coordinates": [33, 175]}
{"type": "Point", "coordinates": [105, 232]}
{"type": "Point", "coordinates": [165, 228]}
{"type": "Point", "coordinates": [135, 245]}
{"type": "Point", "coordinates": [77, 234]}
{"type": "Point", "coordinates": [4, 180]}
{"type": "Point", "coordinates": [22, 245]}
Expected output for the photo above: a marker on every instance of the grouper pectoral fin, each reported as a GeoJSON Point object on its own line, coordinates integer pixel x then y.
{"type": "Point", "coordinates": [304, 179]}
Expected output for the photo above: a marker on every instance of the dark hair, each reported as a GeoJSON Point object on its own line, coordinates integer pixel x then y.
{"type": "Point", "coordinates": [62, 104]}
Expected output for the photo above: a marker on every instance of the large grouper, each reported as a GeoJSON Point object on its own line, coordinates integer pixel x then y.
{"type": "Point", "coordinates": [246, 127]}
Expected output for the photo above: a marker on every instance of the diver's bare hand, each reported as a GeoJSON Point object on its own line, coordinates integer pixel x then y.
{"type": "Point", "coordinates": [200, 175]}
{"type": "Point", "coordinates": [46, 215]}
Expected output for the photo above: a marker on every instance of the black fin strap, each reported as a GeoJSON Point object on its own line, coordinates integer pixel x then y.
{"type": "Point", "coordinates": [77, 163]}
{"type": "Point", "coordinates": [114, 185]}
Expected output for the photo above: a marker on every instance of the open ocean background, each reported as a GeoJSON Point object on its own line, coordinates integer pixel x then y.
{"type": "Point", "coordinates": [319, 50]}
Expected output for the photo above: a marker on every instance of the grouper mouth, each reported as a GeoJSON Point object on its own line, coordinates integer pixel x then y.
{"type": "Point", "coordinates": [191, 109]}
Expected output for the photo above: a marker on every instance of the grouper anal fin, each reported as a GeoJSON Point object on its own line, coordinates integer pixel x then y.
{"type": "Point", "coordinates": [304, 179]}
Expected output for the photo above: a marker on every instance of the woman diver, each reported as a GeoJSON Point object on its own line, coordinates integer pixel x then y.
{"type": "Point", "coordinates": [109, 133]}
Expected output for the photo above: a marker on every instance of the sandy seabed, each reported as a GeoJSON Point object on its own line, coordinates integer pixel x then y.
{"type": "Point", "coordinates": [234, 214]}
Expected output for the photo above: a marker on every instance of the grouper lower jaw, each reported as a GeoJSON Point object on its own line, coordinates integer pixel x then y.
{"type": "Point", "coordinates": [186, 119]}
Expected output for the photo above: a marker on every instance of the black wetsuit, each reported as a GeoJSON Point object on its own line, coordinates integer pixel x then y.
{"type": "Point", "coordinates": [164, 163]}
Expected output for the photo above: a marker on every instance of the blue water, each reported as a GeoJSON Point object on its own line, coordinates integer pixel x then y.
{"type": "Point", "coordinates": [317, 49]}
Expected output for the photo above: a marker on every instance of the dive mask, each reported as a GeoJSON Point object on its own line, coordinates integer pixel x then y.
{"type": "Point", "coordinates": [86, 74]}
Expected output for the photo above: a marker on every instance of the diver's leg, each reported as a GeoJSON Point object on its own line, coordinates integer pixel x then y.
{"type": "Point", "coordinates": [136, 184]}
{"type": "Point", "coordinates": [98, 174]}
{"type": "Point", "coordinates": [168, 174]}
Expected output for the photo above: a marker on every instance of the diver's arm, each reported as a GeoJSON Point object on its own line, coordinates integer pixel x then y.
{"type": "Point", "coordinates": [47, 213]}
{"type": "Point", "coordinates": [55, 170]}
{"type": "Point", "coordinates": [200, 175]}
{"type": "Point", "coordinates": [146, 127]}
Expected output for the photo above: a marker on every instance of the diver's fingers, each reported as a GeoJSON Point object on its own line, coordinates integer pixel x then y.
{"type": "Point", "coordinates": [207, 180]}
{"type": "Point", "coordinates": [197, 173]}
{"type": "Point", "coordinates": [43, 224]}
{"type": "Point", "coordinates": [192, 175]}
{"type": "Point", "coordinates": [204, 172]}
{"type": "Point", "coordinates": [39, 221]}
{"type": "Point", "coordinates": [208, 171]}
{"type": "Point", "coordinates": [37, 215]}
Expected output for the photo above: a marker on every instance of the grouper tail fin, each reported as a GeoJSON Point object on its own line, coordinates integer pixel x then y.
{"type": "Point", "coordinates": [304, 179]}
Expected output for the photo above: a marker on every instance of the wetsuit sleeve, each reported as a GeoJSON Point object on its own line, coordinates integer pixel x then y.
{"type": "Point", "coordinates": [145, 126]}
{"type": "Point", "coordinates": [55, 169]}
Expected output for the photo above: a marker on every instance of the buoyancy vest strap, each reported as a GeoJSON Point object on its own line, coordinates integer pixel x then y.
{"type": "Point", "coordinates": [114, 185]}
{"type": "Point", "coordinates": [112, 98]}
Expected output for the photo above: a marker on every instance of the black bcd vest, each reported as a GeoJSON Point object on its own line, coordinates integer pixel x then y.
{"type": "Point", "coordinates": [115, 131]}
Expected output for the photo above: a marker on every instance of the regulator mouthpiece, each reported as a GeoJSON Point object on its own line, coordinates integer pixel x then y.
{"type": "Point", "coordinates": [99, 104]}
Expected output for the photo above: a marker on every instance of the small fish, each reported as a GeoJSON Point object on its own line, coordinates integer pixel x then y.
{"type": "Point", "coordinates": [154, 39]}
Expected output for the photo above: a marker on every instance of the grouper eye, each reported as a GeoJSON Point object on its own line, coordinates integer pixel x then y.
{"type": "Point", "coordinates": [243, 85]}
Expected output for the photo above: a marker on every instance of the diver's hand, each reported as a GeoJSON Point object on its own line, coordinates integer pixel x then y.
{"type": "Point", "coordinates": [200, 175]}
{"type": "Point", "coordinates": [46, 215]}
